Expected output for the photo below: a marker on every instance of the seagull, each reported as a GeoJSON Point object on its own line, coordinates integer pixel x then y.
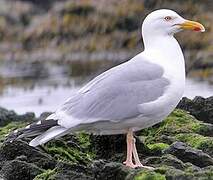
{"type": "Point", "coordinates": [129, 97]}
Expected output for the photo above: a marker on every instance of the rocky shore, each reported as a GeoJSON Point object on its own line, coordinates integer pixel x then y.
{"type": "Point", "coordinates": [70, 31]}
{"type": "Point", "coordinates": [180, 148]}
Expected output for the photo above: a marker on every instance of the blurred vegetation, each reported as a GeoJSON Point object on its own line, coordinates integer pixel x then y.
{"type": "Point", "coordinates": [111, 23]}
{"type": "Point", "coordinates": [53, 29]}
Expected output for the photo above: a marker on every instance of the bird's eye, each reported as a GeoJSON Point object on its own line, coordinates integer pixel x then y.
{"type": "Point", "coordinates": [168, 18]}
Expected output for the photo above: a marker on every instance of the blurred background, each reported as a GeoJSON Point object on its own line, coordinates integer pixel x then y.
{"type": "Point", "coordinates": [49, 49]}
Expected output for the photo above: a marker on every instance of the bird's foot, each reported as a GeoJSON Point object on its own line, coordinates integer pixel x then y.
{"type": "Point", "coordinates": [129, 164]}
{"type": "Point", "coordinates": [138, 164]}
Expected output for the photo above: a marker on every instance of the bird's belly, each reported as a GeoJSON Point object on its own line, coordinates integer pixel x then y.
{"type": "Point", "coordinates": [109, 127]}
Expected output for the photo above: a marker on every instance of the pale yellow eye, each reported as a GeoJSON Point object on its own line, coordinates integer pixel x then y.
{"type": "Point", "coordinates": [168, 18]}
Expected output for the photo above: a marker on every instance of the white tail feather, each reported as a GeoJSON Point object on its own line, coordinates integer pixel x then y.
{"type": "Point", "coordinates": [51, 133]}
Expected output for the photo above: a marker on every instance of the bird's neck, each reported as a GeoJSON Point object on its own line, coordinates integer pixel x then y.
{"type": "Point", "coordinates": [166, 46]}
{"type": "Point", "coordinates": [164, 42]}
{"type": "Point", "coordinates": [165, 51]}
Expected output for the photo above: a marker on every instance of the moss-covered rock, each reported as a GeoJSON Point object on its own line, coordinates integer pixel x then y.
{"type": "Point", "coordinates": [7, 116]}
{"type": "Point", "coordinates": [174, 174]}
{"type": "Point", "coordinates": [188, 154]}
{"type": "Point", "coordinates": [21, 150]}
{"type": "Point", "coordinates": [6, 130]}
{"type": "Point", "coordinates": [46, 175]}
{"type": "Point", "coordinates": [199, 107]}
{"type": "Point", "coordinates": [179, 126]}
{"type": "Point", "coordinates": [157, 148]}
{"type": "Point", "coordinates": [19, 170]}
{"type": "Point", "coordinates": [149, 175]}
{"type": "Point", "coordinates": [73, 149]}
{"type": "Point", "coordinates": [83, 156]}
{"type": "Point", "coordinates": [197, 141]}
{"type": "Point", "coordinates": [166, 160]}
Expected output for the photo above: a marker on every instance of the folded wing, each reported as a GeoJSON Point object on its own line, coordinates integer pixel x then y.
{"type": "Point", "coordinates": [115, 94]}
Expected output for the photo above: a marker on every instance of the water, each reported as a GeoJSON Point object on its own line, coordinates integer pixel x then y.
{"type": "Point", "coordinates": [40, 87]}
{"type": "Point", "coordinates": [198, 88]}
{"type": "Point", "coordinates": [47, 98]}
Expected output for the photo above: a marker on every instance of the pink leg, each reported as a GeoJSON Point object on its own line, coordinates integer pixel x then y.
{"type": "Point", "coordinates": [135, 154]}
{"type": "Point", "coordinates": [136, 158]}
{"type": "Point", "coordinates": [129, 138]}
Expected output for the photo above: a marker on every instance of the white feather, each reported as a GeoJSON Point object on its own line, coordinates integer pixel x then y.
{"type": "Point", "coordinates": [48, 135]}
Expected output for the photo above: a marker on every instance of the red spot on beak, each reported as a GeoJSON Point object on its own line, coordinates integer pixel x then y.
{"type": "Point", "coordinates": [197, 29]}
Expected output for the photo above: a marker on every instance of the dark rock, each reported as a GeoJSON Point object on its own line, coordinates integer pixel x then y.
{"type": "Point", "coordinates": [206, 129]}
{"type": "Point", "coordinates": [21, 158]}
{"type": "Point", "coordinates": [66, 171]}
{"type": "Point", "coordinates": [19, 170]}
{"type": "Point", "coordinates": [167, 139]}
{"type": "Point", "coordinates": [188, 154]}
{"type": "Point", "coordinates": [21, 150]}
{"type": "Point", "coordinates": [28, 117]}
{"type": "Point", "coordinates": [201, 108]}
{"type": "Point", "coordinates": [7, 116]}
{"type": "Point", "coordinates": [176, 174]}
{"type": "Point", "coordinates": [82, 156]}
{"type": "Point", "coordinates": [168, 160]}
{"type": "Point", "coordinates": [44, 115]}
{"type": "Point", "coordinates": [112, 170]}
{"type": "Point", "coordinates": [100, 170]}
{"type": "Point", "coordinates": [107, 146]}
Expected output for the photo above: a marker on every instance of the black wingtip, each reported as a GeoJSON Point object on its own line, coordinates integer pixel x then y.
{"type": "Point", "coordinates": [32, 130]}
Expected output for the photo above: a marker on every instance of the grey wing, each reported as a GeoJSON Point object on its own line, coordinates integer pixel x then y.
{"type": "Point", "coordinates": [116, 94]}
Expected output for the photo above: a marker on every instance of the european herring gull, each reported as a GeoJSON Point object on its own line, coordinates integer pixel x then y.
{"type": "Point", "coordinates": [129, 97]}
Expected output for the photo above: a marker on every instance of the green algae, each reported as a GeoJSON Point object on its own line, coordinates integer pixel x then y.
{"type": "Point", "coordinates": [72, 149]}
{"type": "Point", "coordinates": [172, 172]}
{"type": "Point", "coordinates": [149, 175]}
{"type": "Point", "coordinates": [76, 149]}
{"type": "Point", "coordinates": [46, 175]}
{"type": "Point", "coordinates": [203, 129]}
{"type": "Point", "coordinates": [178, 122]}
{"type": "Point", "coordinates": [197, 141]}
{"type": "Point", "coordinates": [83, 139]}
{"type": "Point", "coordinates": [158, 146]}
{"type": "Point", "coordinates": [179, 126]}
{"type": "Point", "coordinates": [4, 131]}
{"type": "Point", "coordinates": [187, 173]}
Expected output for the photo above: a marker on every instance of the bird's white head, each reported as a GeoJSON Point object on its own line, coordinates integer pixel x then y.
{"type": "Point", "coordinates": [168, 22]}
{"type": "Point", "coordinates": [165, 23]}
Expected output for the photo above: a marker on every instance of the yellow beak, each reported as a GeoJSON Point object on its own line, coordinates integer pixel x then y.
{"type": "Point", "coordinates": [192, 25]}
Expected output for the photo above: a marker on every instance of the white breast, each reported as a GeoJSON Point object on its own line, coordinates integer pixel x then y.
{"type": "Point", "coordinates": [170, 57]}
